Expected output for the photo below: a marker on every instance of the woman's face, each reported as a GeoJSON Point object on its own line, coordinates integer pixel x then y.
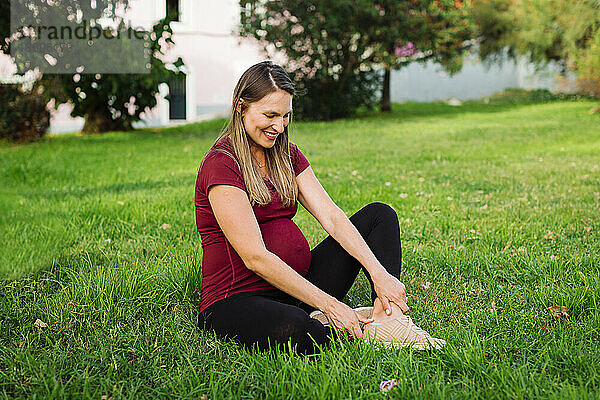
{"type": "Point", "coordinates": [265, 119]}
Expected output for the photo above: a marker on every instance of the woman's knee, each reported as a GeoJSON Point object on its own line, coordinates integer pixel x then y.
{"type": "Point", "coordinates": [382, 210]}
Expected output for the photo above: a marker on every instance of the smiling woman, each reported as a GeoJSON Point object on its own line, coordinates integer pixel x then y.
{"type": "Point", "coordinates": [263, 117]}
{"type": "Point", "coordinates": [260, 280]}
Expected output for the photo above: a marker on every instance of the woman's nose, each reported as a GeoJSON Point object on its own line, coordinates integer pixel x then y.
{"type": "Point", "coordinates": [279, 126]}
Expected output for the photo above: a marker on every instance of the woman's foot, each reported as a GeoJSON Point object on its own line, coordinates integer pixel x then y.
{"type": "Point", "coordinates": [376, 312]}
{"type": "Point", "coordinates": [379, 314]}
{"type": "Point", "coordinates": [398, 330]}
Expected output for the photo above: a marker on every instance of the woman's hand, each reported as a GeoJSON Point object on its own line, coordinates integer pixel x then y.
{"type": "Point", "coordinates": [389, 289]}
{"type": "Point", "coordinates": [342, 317]}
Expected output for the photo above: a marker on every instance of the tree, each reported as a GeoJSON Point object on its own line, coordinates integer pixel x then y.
{"type": "Point", "coordinates": [566, 32]}
{"type": "Point", "coordinates": [111, 102]}
{"type": "Point", "coordinates": [322, 43]}
{"type": "Point", "coordinates": [107, 101]}
{"type": "Point", "coordinates": [23, 113]}
{"type": "Point", "coordinates": [402, 32]}
{"type": "Point", "coordinates": [341, 43]}
{"type": "Point", "coordinates": [57, 13]}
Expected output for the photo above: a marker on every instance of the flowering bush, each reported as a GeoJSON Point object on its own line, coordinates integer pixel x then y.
{"type": "Point", "coordinates": [23, 114]}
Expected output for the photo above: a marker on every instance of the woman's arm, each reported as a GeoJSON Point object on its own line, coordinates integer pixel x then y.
{"type": "Point", "coordinates": [236, 219]}
{"type": "Point", "coordinates": [315, 199]}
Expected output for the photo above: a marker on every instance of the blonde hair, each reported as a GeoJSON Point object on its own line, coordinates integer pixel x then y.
{"type": "Point", "coordinates": [255, 83]}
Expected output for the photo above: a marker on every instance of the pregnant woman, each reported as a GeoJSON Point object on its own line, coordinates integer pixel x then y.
{"type": "Point", "coordinates": [261, 283]}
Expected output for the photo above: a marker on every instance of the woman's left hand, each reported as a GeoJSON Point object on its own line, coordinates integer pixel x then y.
{"type": "Point", "coordinates": [390, 289]}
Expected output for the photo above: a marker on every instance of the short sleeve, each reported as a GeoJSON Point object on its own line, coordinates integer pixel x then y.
{"type": "Point", "coordinates": [299, 162]}
{"type": "Point", "coordinates": [219, 169]}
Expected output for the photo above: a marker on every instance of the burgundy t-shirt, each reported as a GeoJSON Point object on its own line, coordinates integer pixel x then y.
{"type": "Point", "coordinates": [223, 271]}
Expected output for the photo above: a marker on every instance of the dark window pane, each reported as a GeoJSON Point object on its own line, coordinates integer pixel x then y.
{"type": "Point", "coordinates": [173, 7]}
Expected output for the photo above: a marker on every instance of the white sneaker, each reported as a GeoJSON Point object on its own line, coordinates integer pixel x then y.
{"type": "Point", "coordinates": [401, 332]}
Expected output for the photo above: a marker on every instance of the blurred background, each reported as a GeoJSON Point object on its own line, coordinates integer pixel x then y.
{"type": "Point", "coordinates": [373, 52]}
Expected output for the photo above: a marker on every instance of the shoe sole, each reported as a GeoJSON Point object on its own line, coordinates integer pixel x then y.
{"type": "Point", "coordinates": [437, 345]}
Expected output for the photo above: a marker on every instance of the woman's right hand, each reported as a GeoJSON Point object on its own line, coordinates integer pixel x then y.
{"type": "Point", "coordinates": [342, 317]}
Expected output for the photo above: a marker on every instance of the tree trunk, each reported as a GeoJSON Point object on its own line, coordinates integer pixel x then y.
{"type": "Point", "coordinates": [99, 121]}
{"type": "Point", "coordinates": [386, 105]}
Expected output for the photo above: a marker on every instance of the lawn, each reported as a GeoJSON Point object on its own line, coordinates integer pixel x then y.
{"type": "Point", "coordinates": [499, 209]}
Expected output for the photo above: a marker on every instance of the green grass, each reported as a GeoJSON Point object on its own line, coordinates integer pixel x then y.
{"type": "Point", "coordinates": [499, 210]}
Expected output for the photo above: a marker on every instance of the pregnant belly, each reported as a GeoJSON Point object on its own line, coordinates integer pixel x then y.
{"type": "Point", "coordinates": [283, 238]}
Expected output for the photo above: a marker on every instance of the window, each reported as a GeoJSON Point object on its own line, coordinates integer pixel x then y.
{"type": "Point", "coordinates": [173, 7]}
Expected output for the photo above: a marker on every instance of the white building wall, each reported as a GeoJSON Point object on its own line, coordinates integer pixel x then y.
{"type": "Point", "coordinates": [215, 57]}
{"type": "Point", "coordinates": [429, 82]}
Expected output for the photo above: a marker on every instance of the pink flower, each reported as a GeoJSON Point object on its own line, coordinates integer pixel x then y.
{"type": "Point", "coordinates": [407, 50]}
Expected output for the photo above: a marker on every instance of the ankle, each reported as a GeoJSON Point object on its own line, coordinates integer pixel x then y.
{"type": "Point", "coordinates": [379, 313]}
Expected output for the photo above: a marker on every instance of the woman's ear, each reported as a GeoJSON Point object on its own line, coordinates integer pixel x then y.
{"type": "Point", "coordinates": [240, 106]}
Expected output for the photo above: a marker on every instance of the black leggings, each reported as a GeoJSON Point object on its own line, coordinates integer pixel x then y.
{"type": "Point", "coordinates": [270, 317]}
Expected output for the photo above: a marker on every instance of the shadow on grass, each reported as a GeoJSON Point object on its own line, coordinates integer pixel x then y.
{"type": "Point", "coordinates": [117, 188]}
{"type": "Point", "coordinates": [195, 130]}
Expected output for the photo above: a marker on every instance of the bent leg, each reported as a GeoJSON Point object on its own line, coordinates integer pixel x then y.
{"type": "Point", "coordinates": [333, 270]}
{"type": "Point", "coordinates": [255, 318]}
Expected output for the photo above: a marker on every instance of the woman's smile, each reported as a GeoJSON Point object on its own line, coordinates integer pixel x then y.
{"type": "Point", "coordinates": [265, 119]}
{"type": "Point", "coordinates": [270, 136]}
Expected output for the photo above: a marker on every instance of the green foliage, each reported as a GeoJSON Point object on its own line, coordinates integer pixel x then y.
{"type": "Point", "coordinates": [567, 32]}
{"type": "Point", "coordinates": [115, 101]}
{"type": "Point", "coordinates": [327, 99]}
{"type": "Point", "coordinates": [63, 13]}
{"type": "Point", "coordinates": [332, 46]}
{"type": "Point", "coordinates": [111, 101]}
{"type": "Point", "coordinates": [586, 60]}
{"type": "Point", "coordinates": [323, 44]}
{"type": "Point", "coordinates": [23, 114]}
{"type": "Point", "coordinates": [494, 22]}
{"type": "Point", "coordinates": [403, 32]}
